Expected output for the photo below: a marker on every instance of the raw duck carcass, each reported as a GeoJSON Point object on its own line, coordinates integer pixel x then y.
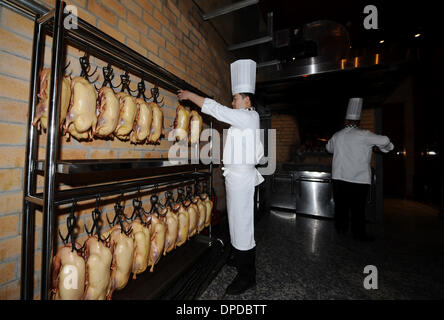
{"type": "Point", "coordinates": [181, 123]}
{"type": "Point", "coordinates": [202, 213]}
{"type": "Point", "coordinates": [98, 259]}
{"type": "Point", "coordinates": [41, 116]}
{"type": "Point", "coordinates": [81, 115]}
{"type": "Point", "coordinates": [142, 241]}
{"type": "Point", "coordinates": [122, 247]}
{"type": "Point", "coordinates": [108, 110]}
{"type": "Point", "coordinates": [184, 222]}
{"type": "Point", "coordinates": [157, 129]}
{"type": "Point", "coordinates": [193, 213]}
{"type": "Point", "coordinates": [128, 111]}
{"type": "Point", "coordinates": [158, 234]}
{"type": "Point", "coordinates": [196, 127]}
{"type": "Point", "coordinates": [209, 205]}
{"type": "Point", "coordinates": [68, 274]}
{"type": "Point", "coordinates": [142, 124]}
{"type": "Point", "coordinates": [172, 222]}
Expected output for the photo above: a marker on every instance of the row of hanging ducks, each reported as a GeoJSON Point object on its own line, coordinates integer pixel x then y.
{"type": "Point", "coordinates": [87, 113]}
{"type": "Point", "coordinates": [105, 261]}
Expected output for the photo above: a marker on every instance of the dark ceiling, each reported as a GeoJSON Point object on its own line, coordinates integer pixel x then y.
{"type": "Point", "coordinates": [320, 99]}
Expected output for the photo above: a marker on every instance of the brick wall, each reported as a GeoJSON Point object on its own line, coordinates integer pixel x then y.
{"type": "Point", "coordinates": [170, 33]}
{"type": "Point", "coordinates": [287, 135]}
{"type": "Point", "coordinates": [287, 132]}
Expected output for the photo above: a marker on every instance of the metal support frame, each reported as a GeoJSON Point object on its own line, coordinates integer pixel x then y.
{"type": "Point", "coordinates": [50, 22]}
{"type": "Point", "coordinates": [255, 42]}
{"type": "Point", "coordinates": [230, 8]}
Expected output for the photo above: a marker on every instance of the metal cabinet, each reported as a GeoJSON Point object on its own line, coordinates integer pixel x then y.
{"type": "Point", "coordinates": [283, 193]}
{"type": "Point", "coordinates": [314, 194]}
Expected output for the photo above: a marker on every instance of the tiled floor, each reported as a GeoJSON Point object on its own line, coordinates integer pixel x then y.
{"type": "Point", "coordinates": [303, 258]}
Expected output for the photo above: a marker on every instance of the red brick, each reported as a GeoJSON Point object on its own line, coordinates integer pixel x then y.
{"type": "Point", "coordinates": [111, 31]}
{"type": "Point", "coordinates": [102, 12]}
{"type": "Point", "coordinates": [14, 43]}
{"type": "Point", "coordinates": [137, 23]}
{"type": "Point", "coordinates": [162, 19]}
{"type": "Point", "coordinates": [134, 7]}
{"type": "Point", "coordinates": [128, 30]}
{"type": "Point", "coordinates": [157, 3]}
{"type": "Point", "coordinates": [173, 8]}
{"type": "Point", "coordinates": [116, 7]}
{"type": "Point", "coordinates": [169, 14]}
{"type": "Point", "coordinates": [152, 22]}
{"type": "Point", "coordinates": [17, 22]}
{"type": "Point", "coordinates": [154, 36]}
{"type": "Point", "coordinates": [150, 45]}
{"type": "Point", "coordinates": [11, 291]}
{"type": "Point", "coordinates": [9, 226]}
{"type": "Point", "coordinates": [168, 35]}
{"type": "Point", "coordinates": [12, 133]}
{"type": "Point", "coordinates": [10, 248]}
{"type": "Point", "coordinates": [10, 179]}
{"type": "Point", "coordinates": [146, 5]}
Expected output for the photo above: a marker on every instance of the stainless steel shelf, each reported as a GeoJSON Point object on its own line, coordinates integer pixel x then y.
{"type": "Point", "coordinates": [94, 166]}
{"type": "Point", "coordinates": [87, 193]}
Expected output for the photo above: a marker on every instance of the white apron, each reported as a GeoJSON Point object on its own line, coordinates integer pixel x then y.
{"type": "Point", "coordinates": [240, 182]}
{"type": "Point", "coordinates": [240, 179]}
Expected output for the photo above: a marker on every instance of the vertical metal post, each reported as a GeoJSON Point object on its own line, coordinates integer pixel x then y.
{"type": "Point", "coordinates": [28, 220]}
{"type": "Point", "coordinates": [51, 150]}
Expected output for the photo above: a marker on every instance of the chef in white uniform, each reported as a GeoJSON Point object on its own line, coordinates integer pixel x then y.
{"type": "Point", "coordinates": [351, 173]}
{"type": "Point", "coordinates": [242, 151]}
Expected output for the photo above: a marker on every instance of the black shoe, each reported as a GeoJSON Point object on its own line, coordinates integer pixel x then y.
{"type": "Point", "coordinates": [363, 238]}
{"type": "Point", "coordinates": [240, 285]}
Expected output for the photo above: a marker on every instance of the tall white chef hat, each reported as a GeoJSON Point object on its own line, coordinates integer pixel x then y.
{"type": "Point", "coordinates": [354, 109]}
{"type": "Point", "coordinates": [243, 76]}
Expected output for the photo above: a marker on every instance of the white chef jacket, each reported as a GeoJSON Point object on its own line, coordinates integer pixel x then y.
{"type": "Point", "coordinates": [352, 152]}
{"type": "Point", "coordinates": [240, 173]}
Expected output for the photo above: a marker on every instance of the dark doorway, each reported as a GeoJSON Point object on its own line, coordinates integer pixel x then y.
{"type": "Point", "coordinates": [395, 161]}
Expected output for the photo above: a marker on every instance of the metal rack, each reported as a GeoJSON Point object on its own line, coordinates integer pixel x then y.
{"type": "Point", "coordinates": [50, 22]}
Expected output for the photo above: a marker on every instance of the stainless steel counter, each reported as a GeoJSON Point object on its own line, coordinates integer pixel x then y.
{"type": "Point", "coordinates": [306, 192]}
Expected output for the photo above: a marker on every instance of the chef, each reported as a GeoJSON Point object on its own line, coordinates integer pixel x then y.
{"type": "Point", "coordinates": [242, 151]}
{"type": "Point", "coordinates": [352, 152]}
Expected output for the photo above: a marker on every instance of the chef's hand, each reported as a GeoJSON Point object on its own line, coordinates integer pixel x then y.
{"type": "Point", "coordinates": [183, 94]}
{"type": "Point", "coordinates": [187, 95]}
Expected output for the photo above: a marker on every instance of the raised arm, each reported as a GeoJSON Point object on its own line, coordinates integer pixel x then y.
{"type": "Point", "coordinates": [382, 142]}
{"type": "Point", "coordinates": [238, 118]}
{"type": "Point", "coordinates": [187, 95]}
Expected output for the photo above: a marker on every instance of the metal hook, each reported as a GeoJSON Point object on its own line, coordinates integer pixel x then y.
{"type": "Point", "coordinates": [108, 76]}
{"type": "Point", "coordinates": [71, 222]}
{"type": "Point", "coordinates": [66, 67]}
{"type": "Point", "coordinates": [86, 67]}
{"type": "Point", "coordinates": [180, 194]}
{"type": "Point", "coordinates": [96, 214]}
{"type": "Point", "coordinates": [189, 195]}
{"type": "Point", "coordinates": [155, 96]}
{"type": "Point", "coordinates": [161, 210]}
{"type": "Point", "coordinates": [125, 82]}
{"type": "Point", "coordinates": [138, 208]}
{"type": "Point", "coordinates": [141, 89]}
{"type": "Point", "coordinates": [168, 199]}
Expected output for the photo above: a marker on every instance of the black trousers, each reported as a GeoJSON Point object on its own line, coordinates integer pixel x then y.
{"type": "Point", "coordinates": [350, 198]}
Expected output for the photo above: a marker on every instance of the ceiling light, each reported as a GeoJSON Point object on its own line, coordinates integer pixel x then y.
{"type": "Point", "coordinates": [382, 41]}
{"type": "Point", "coordinates": [294, 58]}
{"type": "Point", "coordinates": [417, 35]}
